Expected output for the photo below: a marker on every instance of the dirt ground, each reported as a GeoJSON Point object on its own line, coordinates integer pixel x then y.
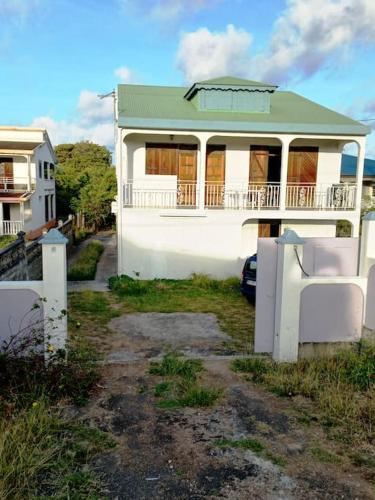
{"type": "Point", "coordinates": [172, 454]}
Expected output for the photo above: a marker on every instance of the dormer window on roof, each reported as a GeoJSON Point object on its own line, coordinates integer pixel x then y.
{"type": "Point", "coordinates": [231, 94]}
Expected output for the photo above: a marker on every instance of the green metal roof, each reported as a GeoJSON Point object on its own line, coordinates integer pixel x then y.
{"type": "Point", "coordinates": [164, 108]}
{"type": "Point", "coordinates": [231, 80]}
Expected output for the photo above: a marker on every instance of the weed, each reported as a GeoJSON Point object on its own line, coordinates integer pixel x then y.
{"type": "Point", "coordinates": [342, 388]}
{"type": "Point", "coordinates": [325, 456]}
{"type": "Point", "coordinates": [173, 365]}
{"type": "Point", "coordinates": [41, 452]}
{"type": "Point", "coordinates": [275, 459]}
{"type": "Point", "coordinates": [246, 444]}
{"type": "Point", "coordinates": [162, 389]}
{"type": "Point", "coordinates": [196, 396]}
{"type": "Point", "coordinates": [84, 268]}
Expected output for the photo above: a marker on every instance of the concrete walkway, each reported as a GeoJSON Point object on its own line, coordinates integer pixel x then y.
{"type": "Point", "coordinates": [107, 266]}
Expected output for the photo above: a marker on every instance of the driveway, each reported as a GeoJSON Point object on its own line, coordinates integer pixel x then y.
{"type": "Point", "coordinates": [176, 453]}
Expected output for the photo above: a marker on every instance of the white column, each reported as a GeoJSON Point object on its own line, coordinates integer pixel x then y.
{"type": "Point", "coordinates": [1, 219]}
{"type": "Point", "coordinates": [28, 173]}
{"type": "Point", "coordinates": [288, 290]}
{"type": "Point", "coordinates": [202, 172]}
{"type": "Point", "coordinates": [285, 141]}
{"type": "Point", "coordinates": [367, 256]}
{"type": "Point", "coordinates": [359, 176]}
{"type": "Point", "coordinates": [121, 165]}
{"type": "Point", "coordinates": [54, 291]}
{"type": "Point", "coordinates": [22, 213]}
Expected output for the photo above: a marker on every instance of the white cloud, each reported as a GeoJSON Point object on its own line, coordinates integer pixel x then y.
{"type": "Point", "coordinates": [93, 109]}
{"type": "Point", "coordinates": [124, 74]}
{"type": "Point", "coordinates": [306, 37]}
{"type": "Point", "coordinates": [17, 10]}
{"type": "Point", "coordinates": [94, 122]}
{"type": "Point", "coordinates": [203, 54]}
{"type": "Point", "coordinates": [310, 34]}
{"type": "Point", "coordinates": [165, 11]}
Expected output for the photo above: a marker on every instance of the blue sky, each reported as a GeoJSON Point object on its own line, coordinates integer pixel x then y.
{"type": "Point", "coordinates": [56, 55]}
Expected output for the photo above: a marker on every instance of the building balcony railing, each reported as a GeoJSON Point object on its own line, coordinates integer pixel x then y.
{"type": "Point", "coordinates": [240, 196]}
{"type": "Point", "coordinates": [16, 184]}
{"type": "Point", "coordinates": [11, 227]}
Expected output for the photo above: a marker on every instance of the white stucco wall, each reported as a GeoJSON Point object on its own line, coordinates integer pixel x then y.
{"type": "Point", "coordinates": [158, 246]}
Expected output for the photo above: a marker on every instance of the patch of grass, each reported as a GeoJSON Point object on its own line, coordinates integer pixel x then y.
{"type": "Point", "coordinates": [198, 294]}
{"type": "Point", "coordinates": [173, 365]}
{"type": "Point", "coordinates": [275, 459]}
{"type": "Point", "coordinates": [245, 444]}
{"type": "Point", "coordinates": [341, 388]}
{"type": "Point", "coordinates": [6, 240]}
{"type": "Point", "coordinates": [43, 454]}
{"type": "Point", "coordinates": [325, 456]}
{"type": "Point", "coordinates": [84, 268]}
{"type": "Point", "coordinates": [162, 389]}
{"type": "Point", "coordinates": [182, 389]}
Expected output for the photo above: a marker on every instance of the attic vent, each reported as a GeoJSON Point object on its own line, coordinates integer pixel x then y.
{"type": "Point", "coordinates": [231, 94]}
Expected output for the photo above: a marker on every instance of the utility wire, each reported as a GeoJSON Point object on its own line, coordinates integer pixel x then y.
{"type": "Point", "coordinates": [299, 261]}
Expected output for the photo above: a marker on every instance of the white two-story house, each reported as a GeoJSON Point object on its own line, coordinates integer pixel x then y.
{"type": "Point", "coordinates": [27, 185]}
{"type": "Point", "coordinates": [204, 171]}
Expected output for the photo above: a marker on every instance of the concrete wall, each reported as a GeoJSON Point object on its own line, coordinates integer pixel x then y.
{"type": "Point", "coordinates": [162, 245]}
{"type": "Point", "coordinates": [329, 313]}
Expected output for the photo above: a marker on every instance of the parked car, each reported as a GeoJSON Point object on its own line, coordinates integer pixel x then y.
{"type": "Point", "coordinates": [249, 277]}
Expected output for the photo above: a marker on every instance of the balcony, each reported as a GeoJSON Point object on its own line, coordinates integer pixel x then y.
{"type": "Point", "coordinates": [16, 185]}
{"type": "Point", "coordinates": [233, 196]}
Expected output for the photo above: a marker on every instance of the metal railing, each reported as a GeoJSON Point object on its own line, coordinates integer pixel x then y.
{"type": "Point", "coordinates": [237, 196]}
{"type": "Point", "coordinates": [321, 197]}
{"type": "Point", "coordinates": [11, 227]}
{"type": "Point", "coordinates": [16, 184]}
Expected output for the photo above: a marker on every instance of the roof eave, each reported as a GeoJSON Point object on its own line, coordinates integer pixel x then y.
{"type": "Point", "coordinates": [238, 126]}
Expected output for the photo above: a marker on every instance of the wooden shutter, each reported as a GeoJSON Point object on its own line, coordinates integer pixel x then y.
{"type": "Point", "coordinates": [215, 164]}
{"type": "Point", "coordinates": [6, 170]}
{"type": "Point", "coordinates": [259, 157]}
{"type": "Point", "coordinates": [187, 163]}
{"type": "Point", "coordinates": [269, 228]}
{"type": "Point", "coordinates": [161, 159]}
{"type": "Point", "coordinates": [302, 165]}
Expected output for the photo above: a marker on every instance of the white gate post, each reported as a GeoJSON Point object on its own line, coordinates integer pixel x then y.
{"type": "Point", "coordinates": [288, 291]}
{"type": "Point", "coordinates": [54, 290]}
{"type": "Point", "coordinates": [367, 256]}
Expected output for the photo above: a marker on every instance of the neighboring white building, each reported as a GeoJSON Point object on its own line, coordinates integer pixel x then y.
{"type": "Point", "coordinates": [203, 171]}
{"type": "Point", "coordinates": [27, 186]}
{"type": "Point", "coordinates": [348, 174]}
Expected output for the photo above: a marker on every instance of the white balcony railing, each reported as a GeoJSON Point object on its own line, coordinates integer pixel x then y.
{"type": "Point", "coordinates": [10, 227]}
{"type": "Point", "coordinates": [322, 197]}
{"type": "Point", "coordinates": [241, 196]}
{"type": "Point", "coordinates": [16, 184]}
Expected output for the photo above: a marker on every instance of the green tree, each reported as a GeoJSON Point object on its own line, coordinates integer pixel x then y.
{"type": "Point", "coordinates": [85, 181]}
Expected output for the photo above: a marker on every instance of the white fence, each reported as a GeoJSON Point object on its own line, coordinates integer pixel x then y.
{"type": "Point", "coordinates": [11, 227]}
{"type": "Point", "coordinates": [52, 290]}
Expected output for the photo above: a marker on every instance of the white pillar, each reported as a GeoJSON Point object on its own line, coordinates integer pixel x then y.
{"type": "Point", "coordinates": [28, 173]}
{"type": "Point", "coordinates": [284, 171]}
{"type": "Point", "coordinates": [202, 173]}
{"type": "Point", "coordinates": [288, 291]}
{"type": "Point", "coordinates": [1, 219]}
{"type": "Point", "coordinates": [367, 255]}
{"type": "Point", "coordinates": [54, 290]}
{"type": "Point", "coordinates": [359, 176]}
{"type": "Point", "coordinates": [122, 176]}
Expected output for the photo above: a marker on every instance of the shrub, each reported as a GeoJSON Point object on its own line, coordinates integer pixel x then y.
{"type": "Point", "coordinates": [84, 268]}
{"type": "Point", "coordinates": [125, 285]}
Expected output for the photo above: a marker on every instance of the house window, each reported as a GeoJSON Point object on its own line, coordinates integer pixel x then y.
{"type": "Point", "coordinates": [46, 207]}
{"type": "Point", "coordinates": [51, 171]}
{"type": "Point", "coordinates": [40, 173]}
{"type": "Point", "coordinates": [46, 164]}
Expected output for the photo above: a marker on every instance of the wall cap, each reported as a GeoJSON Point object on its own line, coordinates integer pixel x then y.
{"type": "Point", "coordinates": [290, 237]}
{"type": "Point", "coordinates": [53, 237]}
